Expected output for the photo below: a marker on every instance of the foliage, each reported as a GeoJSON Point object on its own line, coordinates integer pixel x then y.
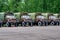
{"type": "Point", "coordinates": [30, 6]}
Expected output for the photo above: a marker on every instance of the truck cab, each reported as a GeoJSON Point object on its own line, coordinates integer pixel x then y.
{"type": "Point", "coordinates": [9, 18]}
{"type": "Point", "coordinates": [39, 19]}
{"type": "Point", "coordinates": [26, 19]}
{"type": "Point", "coordinates": [52, 19]}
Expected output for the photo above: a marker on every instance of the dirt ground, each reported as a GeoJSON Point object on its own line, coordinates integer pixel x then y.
{"type": "Point", "coordinates": [30, 33]}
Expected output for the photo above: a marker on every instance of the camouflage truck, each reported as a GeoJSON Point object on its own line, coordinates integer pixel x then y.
{"type": "Point", "coordinates": [52, 19]}
{"type": "Point", "coordinates": [1, 18]}
{"type": "Point", "coordinates": [9, 19]}
{"type": "Point", "coordinates": [58, 20]}
{"type": "Point", "coordinates": [26, 19]}
{"type": "Point", "coordinates": [40, 19]}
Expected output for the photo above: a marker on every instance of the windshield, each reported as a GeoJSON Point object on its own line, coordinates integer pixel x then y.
{"type": "Point", "coordinates": [40, 17]}
{"type": "Point", "coordinates": [10, 16]}
{"type": "Point", "coordinates": [25, 16]}
{"type": "Point", "coordinates": [52, 17]}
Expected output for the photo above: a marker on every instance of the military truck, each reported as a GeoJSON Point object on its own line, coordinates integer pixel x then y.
{"type": "Point", "coordinates": [9, 19]}
{"type": "Point", "coordinates": [40, 19]}
{"type": "Point", "coordinates": [52, 19]}
{"type": "Point", "coordinates": [26, 19]}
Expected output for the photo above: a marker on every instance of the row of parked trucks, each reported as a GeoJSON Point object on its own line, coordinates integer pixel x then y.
{"type": "Point", "coordinates": [25, 20]}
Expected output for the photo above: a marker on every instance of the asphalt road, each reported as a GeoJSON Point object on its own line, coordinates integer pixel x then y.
{"type": "Point", "coordinates": [30, 33]}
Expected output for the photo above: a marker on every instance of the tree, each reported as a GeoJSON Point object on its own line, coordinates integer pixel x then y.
{"type": "Point", "coordinates": [30, 6]}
